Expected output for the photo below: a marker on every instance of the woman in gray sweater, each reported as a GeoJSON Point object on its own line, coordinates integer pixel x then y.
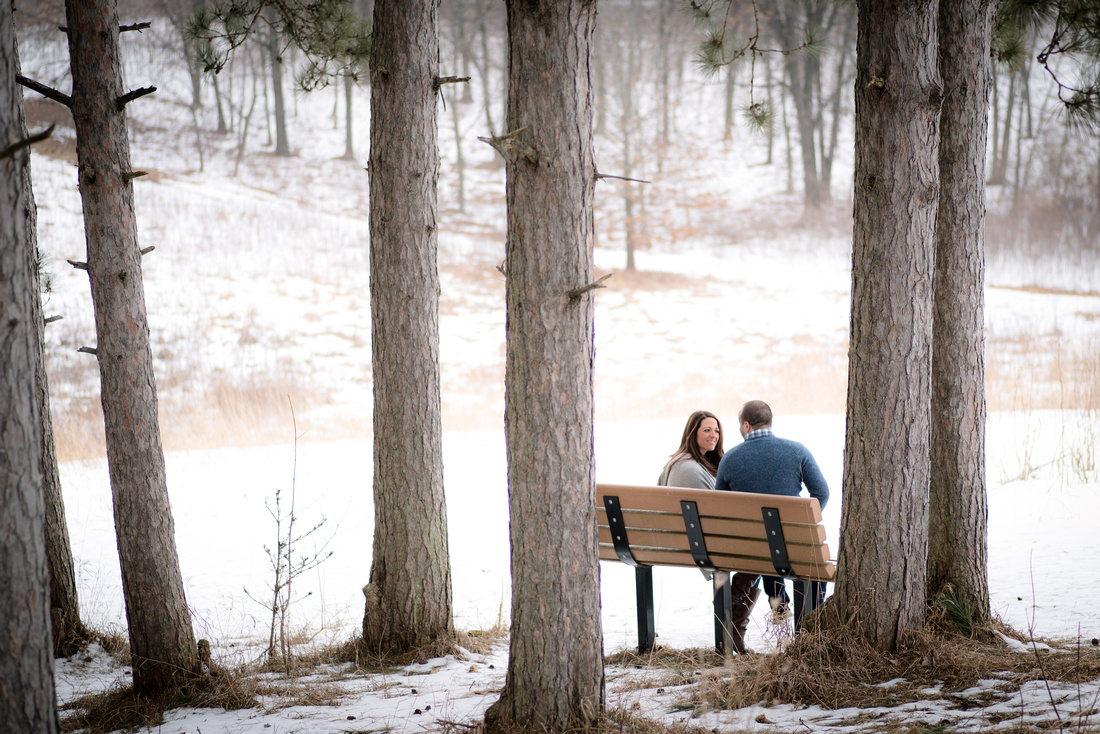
{"type": "Point", "coordinates": [695, 463]}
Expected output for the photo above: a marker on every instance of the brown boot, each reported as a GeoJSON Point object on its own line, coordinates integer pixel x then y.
{"type": "Point", "coordinates": [743, 597]}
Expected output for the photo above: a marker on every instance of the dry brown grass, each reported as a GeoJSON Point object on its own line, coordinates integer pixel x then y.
{"type": "Point", "coordinates": [121, 709]}
{"type": "Point", "coordinates": [315, 681]}
{"type": "Point", "coordinates": [837, 669]}
{"type": "Point", "coordinates": [223, 415]}
{"type": "Point", "coordinates": [1042, 372]}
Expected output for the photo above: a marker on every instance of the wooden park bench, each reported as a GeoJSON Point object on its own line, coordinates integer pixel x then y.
{"type": "Point", "coordinates": [723, 532]}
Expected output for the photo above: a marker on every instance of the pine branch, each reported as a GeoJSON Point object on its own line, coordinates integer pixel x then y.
{"type": "Point", "coordinates": [440, 81]}
{"type": "Point", "coordinates": [512, 146]}
{"type": "Point", "coordinates": [14, 148]}
{"type": "Point", "coordinates": [48, 92]}
{"type": "Point", "coordinates": [132, 95]}
{"type": "Point", "coordinates": [575, 294]}
{"type": "Point", "coordinates": [602, 176]}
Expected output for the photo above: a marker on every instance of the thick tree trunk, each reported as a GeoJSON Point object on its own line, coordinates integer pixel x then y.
{"type": "Point", "coordinates": [555, 668]}
{"type": "Point", "coordinates": [409, 595]}
{"type": "Point", "coordinates": [884, 527]}
{"type": "Point", "coordinates": [69, 632]}
{"type": "Point", "coordinates": [162, 642]}
{"type": "Point", "coordinates": [957, 529]}
{"type": "Point", "coordinates": [27, 698]}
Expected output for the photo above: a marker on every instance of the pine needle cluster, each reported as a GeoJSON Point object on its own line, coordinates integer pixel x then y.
{"type": "Point", "coordinates": [731, 32]}
{"type": "Point", "coordinates": [1069, 33]}
{"type": "Point", "coordinates": [333, 36]}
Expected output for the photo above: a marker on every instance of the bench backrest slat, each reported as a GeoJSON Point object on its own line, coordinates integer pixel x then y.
{"type": "Point", "coordinates": [732, 527]}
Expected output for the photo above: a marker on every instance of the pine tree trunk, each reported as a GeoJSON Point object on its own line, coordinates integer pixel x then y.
{"type": "Point", "coordinates": [957, 529]}
{"type": "Point", "coordinates": [665, 8]}
{"type": "Point", "coordinates": [627, 78]}
{"type": "Point", "coordinates": [69, 632]}
{"type": "Point", "coordinates": [162, 643]}
{"type": "Point", "coordinates": [727, 98]}
{"type": "Point", "coordinates": [349, 106]}
{"type": "Point", "coordinates": [409, 595]}
{"type": "Point", "coordinates": [884, 526]}
{"type": "Point", "coordinates": [27, 698]}
{"type": "Point", "coordinates": [274, 53]}
{"type": "Point", "coordinates": [555, 668]}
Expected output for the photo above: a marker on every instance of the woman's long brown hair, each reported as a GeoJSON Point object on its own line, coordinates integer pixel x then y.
{"type": "Point", "coordinates": [689, 446]}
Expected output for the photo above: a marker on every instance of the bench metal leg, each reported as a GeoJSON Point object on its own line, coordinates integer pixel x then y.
{"type": "Point", "coordinates": [647, 631]}
{"type": "Point", "coordinates": [723, 623]}
{"type": "Point", "coordinates": [808, 596]}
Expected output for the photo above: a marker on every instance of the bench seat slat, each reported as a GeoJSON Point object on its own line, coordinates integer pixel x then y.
{"type": "Point", "coordinates": [718, 544]}
{"type": "Point", "coordinates": [763, 566]}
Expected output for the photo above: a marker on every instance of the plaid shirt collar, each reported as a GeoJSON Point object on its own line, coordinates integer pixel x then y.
{"type": "Point", "coordinates": [758, 433]}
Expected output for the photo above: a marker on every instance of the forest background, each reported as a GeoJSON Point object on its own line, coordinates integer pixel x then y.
{"type": "Point", "coordinates": [299, 221]}
{"type": "Point", "coordinates": [298, 224]}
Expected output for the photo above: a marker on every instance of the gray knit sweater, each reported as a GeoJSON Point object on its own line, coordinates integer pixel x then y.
{"type": "Point", "coordinates": [684, 471]}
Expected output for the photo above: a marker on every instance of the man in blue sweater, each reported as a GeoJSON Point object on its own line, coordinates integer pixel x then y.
{"type": "Point", "coordinates": [766, 464]}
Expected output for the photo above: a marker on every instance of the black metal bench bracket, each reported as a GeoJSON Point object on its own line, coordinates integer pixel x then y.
{"type": "Point", "coordinates": [696, 541]}
{"type": "Point", "coordinates": [617, 526]}
{"type": "Point", "coordinates": [777, 545]}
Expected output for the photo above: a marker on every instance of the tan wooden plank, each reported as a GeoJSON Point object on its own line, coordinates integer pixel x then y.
{"type": "Point", "coordinates": [793, 533]}
{"type": "Point", "coordinates": [716, 544]}
{"type": "Point", "coordinates": [824, 572]}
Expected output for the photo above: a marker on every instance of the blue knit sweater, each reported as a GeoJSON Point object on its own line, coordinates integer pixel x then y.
{"type": "Point", "coordinates": [767, 464]}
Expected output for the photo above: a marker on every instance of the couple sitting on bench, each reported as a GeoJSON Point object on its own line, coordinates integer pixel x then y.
{"type": "Point", "coordinates": [762, 463]}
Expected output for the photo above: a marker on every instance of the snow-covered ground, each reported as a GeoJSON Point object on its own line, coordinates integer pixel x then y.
{"type": "Point", "coordinates": [1043, 549]}
{"type": "Point", "coordinates": [259, 290]}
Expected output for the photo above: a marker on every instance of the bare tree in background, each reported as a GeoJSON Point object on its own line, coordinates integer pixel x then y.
{"type": "Point", "coordinates": [884, 525]}
{"type": "Point", "coordinates": [623, 52]}
{"type": "Point", "coordinates": [806, 25]}
{"type": "Point", "coordinates": [409, 595]}
{"type": "Point", "coordinates": [28, 702]}
{"type": "Point", "coordinates": [274, 47]}
{"type": "Point", "coordinates": [555, 667]}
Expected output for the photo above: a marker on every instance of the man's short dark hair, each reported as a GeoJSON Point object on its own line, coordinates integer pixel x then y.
{"type": "Point", "coordinates": [757, 413]}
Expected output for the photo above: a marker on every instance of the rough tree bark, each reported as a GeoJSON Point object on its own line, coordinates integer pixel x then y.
{"type": "Point", "coordinates": [884, 524]}
{"type": "Point", "coordinates": [409, 594]}
{"type": "Point", "coordinates": [957, 529]}
{"type": "Point", "coordinates": [555, 667]}
{"type": "Point", "coordinates": [69, 632]}
{"type": "Point", "coordinates": [162, 642]}
{"type": "Point", "coordinates": [28, 701]}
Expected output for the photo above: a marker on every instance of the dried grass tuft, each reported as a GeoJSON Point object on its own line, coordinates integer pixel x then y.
{"type": "Point", "coordinates": [837, 668]}
{"type": "Point", "coordinates": [122, 709]}
{"type": "Point", "coordinates": [354, 651]}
